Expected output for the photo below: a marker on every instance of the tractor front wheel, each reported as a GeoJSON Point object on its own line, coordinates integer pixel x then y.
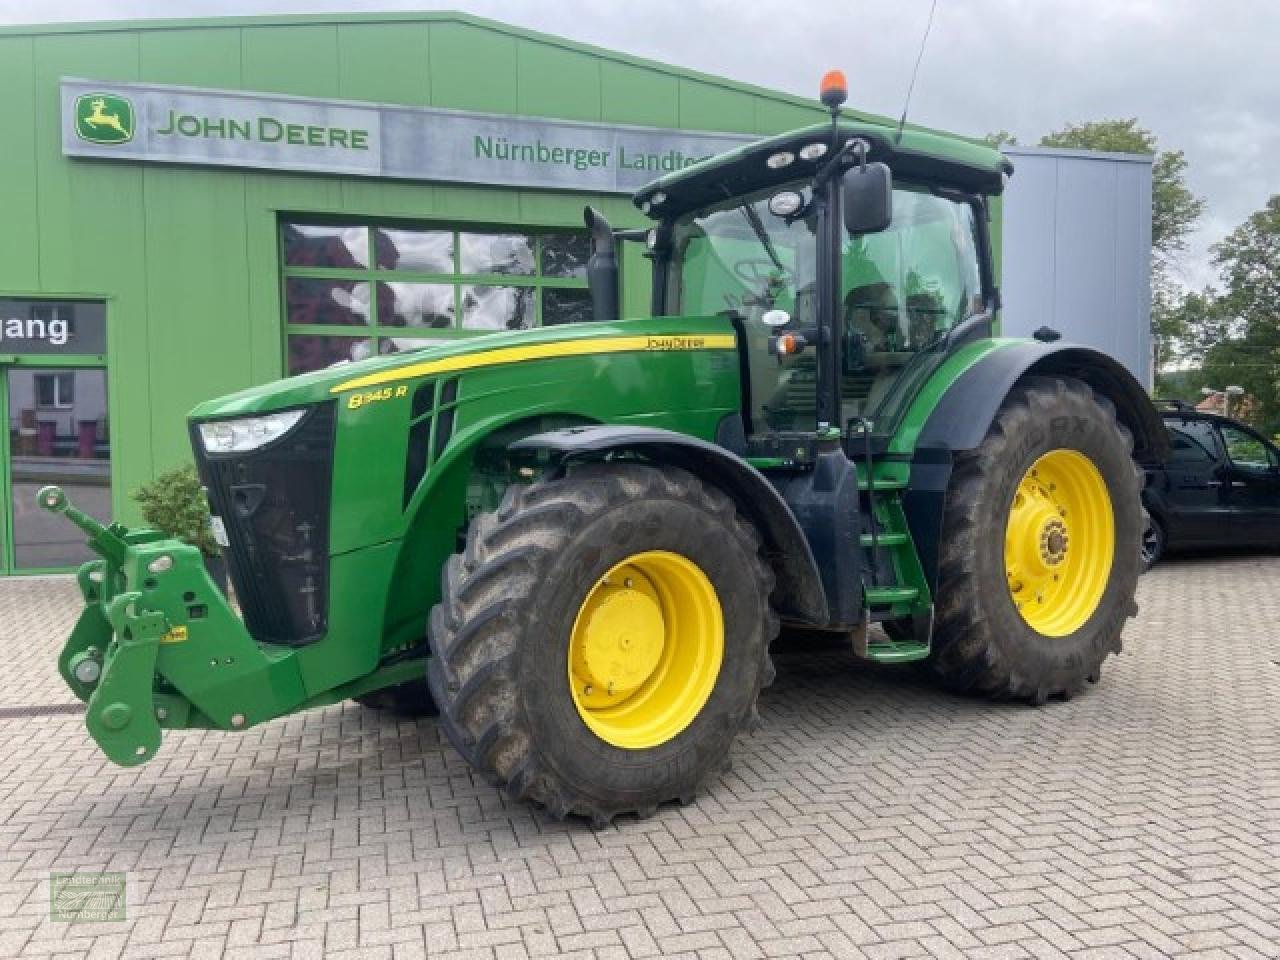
{"type": "Point", "coordinates": [1040, 549]}
{"type": "Point", "coordinates": [603, 638]}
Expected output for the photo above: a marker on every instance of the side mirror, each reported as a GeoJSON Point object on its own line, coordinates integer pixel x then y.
{"type": "Point", "coordinates": [868, 198]}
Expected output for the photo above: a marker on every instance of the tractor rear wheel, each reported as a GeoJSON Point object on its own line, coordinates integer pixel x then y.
{"type": "Point", "coordinates": [1040, 547]}
{"type": "Point", "coordinates": [603, 638]}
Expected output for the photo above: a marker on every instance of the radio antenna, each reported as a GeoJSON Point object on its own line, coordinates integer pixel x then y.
{"type": "Point", "coordinates": [902, 121]}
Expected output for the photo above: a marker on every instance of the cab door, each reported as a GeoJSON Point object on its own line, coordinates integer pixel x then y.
{"type": "Point", "coordinates": [1253, 486]}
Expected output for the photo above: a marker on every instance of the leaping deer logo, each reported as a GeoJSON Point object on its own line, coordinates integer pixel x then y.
{"type": "Point", "coordinates": [104, 118]}
{"type": "Point", "coordinates": [100, 118]}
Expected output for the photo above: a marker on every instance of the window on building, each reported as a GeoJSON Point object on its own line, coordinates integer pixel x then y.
{"type": "Point", "coordinates": [352, 291]}
{"type": "Point", "coordinates": [55, 391]}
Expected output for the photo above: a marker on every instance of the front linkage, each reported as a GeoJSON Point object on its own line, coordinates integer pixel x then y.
{"type": "Point", "coordinates": [158, 646]}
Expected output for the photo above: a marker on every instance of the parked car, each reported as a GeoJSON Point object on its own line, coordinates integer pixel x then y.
{"type": "Point", "coordinates": [1220, 486]}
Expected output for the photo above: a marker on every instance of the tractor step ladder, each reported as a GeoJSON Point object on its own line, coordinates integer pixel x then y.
{"type": "Point", "coordinates": [900, 601]}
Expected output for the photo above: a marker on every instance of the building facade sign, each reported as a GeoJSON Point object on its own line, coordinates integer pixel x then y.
{"type": "Point", "coordinates": [165, 124]}
{"type": "Point", "coordinates": [39, 327]}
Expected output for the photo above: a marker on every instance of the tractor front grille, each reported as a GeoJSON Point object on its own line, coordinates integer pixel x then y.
{"type": "Point", "coordinates": [274, 502]}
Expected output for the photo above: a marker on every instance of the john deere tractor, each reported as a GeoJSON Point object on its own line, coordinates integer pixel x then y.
{"type": "Point", "coordinates": [577, 543]}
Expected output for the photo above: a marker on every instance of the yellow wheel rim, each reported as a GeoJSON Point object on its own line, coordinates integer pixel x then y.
{"type": "Point", "coordinates": [1059, 543]}
{"type": "Point", "coordinates": [646, 650]}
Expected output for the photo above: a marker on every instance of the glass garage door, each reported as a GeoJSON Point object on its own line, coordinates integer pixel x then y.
{"type": "Point", "coordinates": [53, 404]}
{"type": "Point", "coordinates": [58, 433]}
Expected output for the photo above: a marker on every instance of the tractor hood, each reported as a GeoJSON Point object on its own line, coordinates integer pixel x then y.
{"type": "Point", "coordinates": [460, 354]}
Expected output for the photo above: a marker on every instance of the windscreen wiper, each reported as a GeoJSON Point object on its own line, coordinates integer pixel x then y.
{"type": "Point", "coordinates": [762, 235]}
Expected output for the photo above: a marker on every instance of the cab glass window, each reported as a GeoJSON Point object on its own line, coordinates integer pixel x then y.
{"type": "Point", "coordinates": [903, 289]}
{"type": "Point", "coordinates": [739, 256]}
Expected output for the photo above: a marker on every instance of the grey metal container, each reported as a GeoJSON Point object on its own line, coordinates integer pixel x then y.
{"type": "Point", "coordinates": [1077, 250]}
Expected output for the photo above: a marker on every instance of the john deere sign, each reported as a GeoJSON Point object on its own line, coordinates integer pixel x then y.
{"type": "Point", "coordinates": [162, 124]}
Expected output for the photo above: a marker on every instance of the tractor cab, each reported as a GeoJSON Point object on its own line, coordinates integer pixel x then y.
{"type": "Point", "coordinates": [851, 259]}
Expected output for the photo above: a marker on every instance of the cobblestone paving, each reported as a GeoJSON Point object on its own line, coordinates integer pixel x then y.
{"type": "Point", "coordinates": [869, 816]}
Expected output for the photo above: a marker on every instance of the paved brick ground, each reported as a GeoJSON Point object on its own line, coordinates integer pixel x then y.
{"type": "Point", "coordinates": [869, 816]}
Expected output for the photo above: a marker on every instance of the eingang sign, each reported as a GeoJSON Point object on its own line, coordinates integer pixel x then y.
{"type": "Point", "coordinates": [164, 124]}
{"type": "Point", "coordinates": [41, 327]}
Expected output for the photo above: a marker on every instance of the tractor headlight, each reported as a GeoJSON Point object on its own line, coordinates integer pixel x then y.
{"type": "Point", "coordinates": [247, 433]}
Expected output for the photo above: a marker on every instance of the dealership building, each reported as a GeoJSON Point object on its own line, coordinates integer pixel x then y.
{"type": "Point", "coordinates": [193, 207]}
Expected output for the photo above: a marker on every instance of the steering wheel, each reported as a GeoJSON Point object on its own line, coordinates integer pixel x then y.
{"type": "Point", "coordinates": [757, 271]}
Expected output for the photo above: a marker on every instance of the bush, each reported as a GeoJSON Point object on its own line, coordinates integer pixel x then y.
{"type": "Point", "coordinates": [174, 504]}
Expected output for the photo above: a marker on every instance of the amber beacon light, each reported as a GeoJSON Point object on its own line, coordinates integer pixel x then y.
{"type": "Point", "coordinates": [834, 89]}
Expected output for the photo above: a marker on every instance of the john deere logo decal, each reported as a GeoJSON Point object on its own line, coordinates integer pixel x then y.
{"type": "Point", "coordinates": [104, 118]}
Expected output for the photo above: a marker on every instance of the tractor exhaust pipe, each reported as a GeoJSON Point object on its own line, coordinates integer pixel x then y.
{"type": "Point", "coordinates": [602, 267]}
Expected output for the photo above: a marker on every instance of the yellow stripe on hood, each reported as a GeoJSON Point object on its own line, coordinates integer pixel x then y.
{"type": "Point", "coordinates": [657, 343]}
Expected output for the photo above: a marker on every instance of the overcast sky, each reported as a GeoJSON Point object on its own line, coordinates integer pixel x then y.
{"type": "Point", "coordinates": [1204, 75]}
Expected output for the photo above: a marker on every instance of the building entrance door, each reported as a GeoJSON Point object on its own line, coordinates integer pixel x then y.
{"type": "Point", "coordinates": [54, 408]}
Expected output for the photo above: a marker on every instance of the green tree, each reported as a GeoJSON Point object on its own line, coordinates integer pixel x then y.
{"type": "Point", "coordinates": [1182, 384]}
{"type": "Point", "coordinates": [1202, 321]}
{"type": "Point", "coordinates": [999, 138]}
{"type": "Point", "coordinates": [1243, 342]}
{"type": "Point", "coordinates": [1249, 258]}
{"type": "Point", "coordinates": [1168, 319]}
{"type": "Point", "coordinates": [1198, 322]}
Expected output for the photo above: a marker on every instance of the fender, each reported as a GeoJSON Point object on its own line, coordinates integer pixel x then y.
{"type": "Point", "coordinates": [799, 594]}
{"type": "Point", "coordinates": [964, 412]}
{"type": "Point", "coordinates": [962, 416]}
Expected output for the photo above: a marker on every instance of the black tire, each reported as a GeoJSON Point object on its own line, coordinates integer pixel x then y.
{"type": "Point", "coordinates": [1153, 543]}
{"type": "Point", "coordinates": [412, 699]}
{"type": "Point", "coordinates": [500, 635]}
{"type": "Point", "coordinates": [981, 642]}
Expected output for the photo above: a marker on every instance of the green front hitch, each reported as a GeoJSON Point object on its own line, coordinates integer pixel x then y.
{"type": "Point", "coordinates": [109, 660]}
{"type": "Point", "coordinates": [158, 646]}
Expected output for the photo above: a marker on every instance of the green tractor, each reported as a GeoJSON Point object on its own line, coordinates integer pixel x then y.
{"type": "Point", "coordinates": [578, 543]}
